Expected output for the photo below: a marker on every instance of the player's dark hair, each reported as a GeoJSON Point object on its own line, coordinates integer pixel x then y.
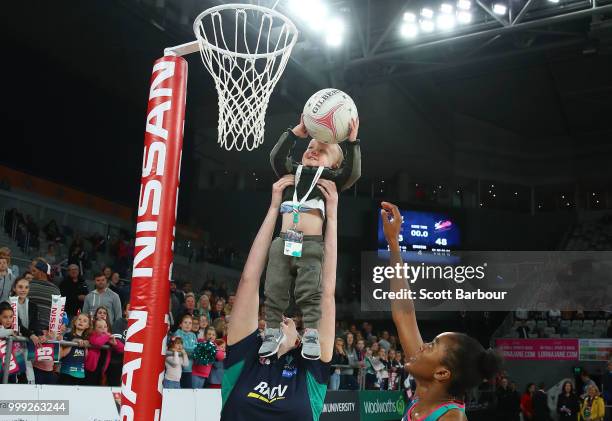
{"type": "Point", "coordinates": [469, 364]}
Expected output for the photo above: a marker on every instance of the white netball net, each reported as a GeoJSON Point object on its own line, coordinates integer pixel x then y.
{"type": "Point", "coordinates": [245, 48]}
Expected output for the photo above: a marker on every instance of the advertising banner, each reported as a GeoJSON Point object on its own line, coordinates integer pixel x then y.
{"type": "Point", "coordinates": [595, 349]}
{"type": "Point", "coordinates": [538, 349]}
{"type": "Point", "coordinates": [341, 405]}
{"type": "Point", "coordinates": [375, 405]}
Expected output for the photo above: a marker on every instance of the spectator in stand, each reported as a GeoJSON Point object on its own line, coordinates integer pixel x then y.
{"type": "Point", "coordinates": [6, 278]}
{"type": "Point", "coordinates": [218, 312]}
{"type": "Point", "coordinates": [541, 412]}
{"type": "Point", "coordinates": [189, 343]}
{"type": "Point", "coordinates": [74, 288]}
{"type": "Point", "coordinates": [607, 385]}
{"type": "Point", "coordinates": [394, 368]}
{"type": "Point", "coordinates": [201, 334]}
{"type": "Point", "coordinates": [116, 363]}
{"type": "Point", "coordinates": [77, 255]}
{"type": "Point", "coordinates": [371, 363]}
{"type": "Point", "coordinates": [527, 403]}
{"type": "Point", "coordinates": [27, 311]}
{"type": "Point", "coordinates": [190, 306]}
{"type": "Point", "coordinates": [568, 404]}
{"type": "Point", "coordinates": [587, 382]}
{"type": "Point", "coordinates": [195, 325]}
{"type": "Point", "coordinates": [383, 373]}
{"type": "Point", "coordinates": [6, 252]}
{"type": "Point", "coordinates": [107, 271]}
{"type": "Point", "coordinates": [201, 372]}
{"type": "Point", "coordinates": [348, 379]}
{"type": "Point", "coordinates": [338, 358]}
{"type": "Point", "coordinates": [187, 287]}
{"type": "Point", "coordinates": [508, 401]}
{"type": "Point", "coordinates": [216, 374]}
{"type": "Point", "coordinates": [175, 361]}
{"type": "Point", "coordinates": [221, 328]}
{"type": "Point", "coordinates": [41, 290]}
{"type": "Point", "coordinates": [51, 255]}
{"type": "Point", "coordinates": [97, 359]}
{"type": "Point", "coordinates": [72, 369]}
{"type": "Point", "coordinates": [103, 296]}
{"type": "Point", "coordinates": [384, 341]}
{"type": "Point", "coordinates": [177, 293]}
{"type": "Point", "coordinates": [101, 313]}
{"type": "Point", "coordinates": [230, 303]}
{"type": "Point", "coordinates": [593, 407]}
{"type": "Point", "coordinates": [52, 232]}
{"type": "Point", "coordinates": [204, 306]}
{"type": "Point", "coordinates": [119, 287]}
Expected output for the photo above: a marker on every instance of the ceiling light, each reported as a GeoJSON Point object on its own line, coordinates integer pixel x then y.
{"type": "Point", "coordinates": [500, 9]}
{"type": "Point", "coordinates": [427, 13]}
{"type": "Point", "coordinates": [409, 30]}
{"type": "Point", "coordinates": [464, 17]}
{"type": "Point", "coordinates": [464, 4]}
{"type": "Point", "coordinates": [410, 17]}
{"type": "Point", "coordinates": [427, 25]}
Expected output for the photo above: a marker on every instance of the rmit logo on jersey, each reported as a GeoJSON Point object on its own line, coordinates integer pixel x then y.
{"type": "Point", "coordinates": [268, 394]}
{"type": "Point", "coordinates": [79, 352]}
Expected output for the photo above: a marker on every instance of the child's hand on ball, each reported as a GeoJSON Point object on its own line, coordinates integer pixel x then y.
{"type": "Point", "coordinates": [354, 125]}
{"type": "Point", "coordinates": [300, 129]}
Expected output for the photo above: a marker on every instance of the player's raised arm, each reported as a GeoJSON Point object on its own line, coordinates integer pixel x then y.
{"type": "Point", "coordinates": [246, 306]}
{"type": "Point", "coordinates": [403, 312]}
{"type": "Point", "coordinates": [327, 325]}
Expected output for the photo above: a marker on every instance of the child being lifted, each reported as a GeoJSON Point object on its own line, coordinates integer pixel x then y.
{"type": "Point", "coordinates": [297, 254]}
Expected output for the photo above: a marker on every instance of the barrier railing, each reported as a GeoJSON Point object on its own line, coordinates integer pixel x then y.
{"type": "Point", "coordinates": [12, 339]}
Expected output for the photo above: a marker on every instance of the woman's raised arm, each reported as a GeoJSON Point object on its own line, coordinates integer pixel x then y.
{"type": "Point", "coordinates": [327, 325]}
{"type": "Point", "coordinates": [246, 307]}
{"type": "Point", "coordinates": [402, 311]}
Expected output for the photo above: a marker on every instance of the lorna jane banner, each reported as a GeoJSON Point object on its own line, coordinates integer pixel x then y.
{"type": "Point", "coordinates": [538, 349]}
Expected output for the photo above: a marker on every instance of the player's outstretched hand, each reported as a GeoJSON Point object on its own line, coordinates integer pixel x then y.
{"type": "Point", "coordinates": [392, 223]}
{"type": "Point", "coordinates": [330, 193]}
{"type": "Point", "coordinates": [300, 129]}
{"type": "Point", "coordinates": [279, 187]}
{"type": "Point", "coordinates": [354, 126]}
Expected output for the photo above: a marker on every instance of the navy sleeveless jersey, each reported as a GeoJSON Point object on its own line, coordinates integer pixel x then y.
{"type": "Point", "coordinates": [262, 389]}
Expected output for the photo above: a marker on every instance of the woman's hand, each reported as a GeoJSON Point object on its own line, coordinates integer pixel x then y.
{"type": "Point", "coordinates": [300, 129]}
{"type": "Point", "coordinates": [112, 341]}
{"type": "Point", "coordinates": [290, 332]}
{"type": "Point", "coordinates": [279, 187]}
{"type": "Point", "coordinates": [35, 340]}
{"type": "Point", "coordinates": [354, 127]}
{"type": "Point", "coordinates": [330, 193]}
{"type": "Point", "coordinates": [392, 223]}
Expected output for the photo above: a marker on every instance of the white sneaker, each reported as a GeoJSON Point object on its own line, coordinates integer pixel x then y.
{"type": "Point", "coordinates": [271, 341]}
{"type": "Point", "coordinates": [311, 349]}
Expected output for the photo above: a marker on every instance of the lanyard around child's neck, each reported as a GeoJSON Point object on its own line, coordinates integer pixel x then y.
{"type": "Point", "coordinates": [297, 205]}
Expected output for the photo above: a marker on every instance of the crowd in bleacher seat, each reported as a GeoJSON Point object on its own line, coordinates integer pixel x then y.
{"type": "Point", "coordinates": [559, 324]}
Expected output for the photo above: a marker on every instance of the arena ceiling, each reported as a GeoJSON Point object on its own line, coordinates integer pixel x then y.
{"type": "Point", "coordinates": [79, 75]}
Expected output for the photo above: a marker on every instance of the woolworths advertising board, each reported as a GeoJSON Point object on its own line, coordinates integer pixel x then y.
{"type": "Point", "coordinates": [376, 405]}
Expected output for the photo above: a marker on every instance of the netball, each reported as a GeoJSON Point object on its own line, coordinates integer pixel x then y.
{"type": "Point", "coordinates": [327, 115]}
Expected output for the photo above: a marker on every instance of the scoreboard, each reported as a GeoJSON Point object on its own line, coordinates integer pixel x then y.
{"type": "Point", "coordinates": [424, 232]}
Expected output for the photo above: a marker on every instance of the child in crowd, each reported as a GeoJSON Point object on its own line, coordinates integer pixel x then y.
{"type": "Point", "coordinates": [203, 326]}
{"type": "Point", "coordinates": [189, 343]}
{"type": "Point", "coordinates": [195, 325]}
{"type": "Point", "coordinates": [6, 329]}
{"type": "Point", "coordinates": [174, 364]}
{"type": "Point", "coordinates": [72, 369]}
{"type": "Point", "coordinates": [97, 359]}
{"type": "Point", "coordinates": [297, 254]}
{"type": "Point", "coordinates": [216, 374]}
{"type": "Point", "coordinates": [201, 372]}
{"type": "Point", "coordinates": [101, 313]}
{"type": "Point", "coordinates": [27, 310]}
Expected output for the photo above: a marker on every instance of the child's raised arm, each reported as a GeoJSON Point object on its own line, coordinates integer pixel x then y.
{"type": "Point", "coordinates": [280, 157]}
